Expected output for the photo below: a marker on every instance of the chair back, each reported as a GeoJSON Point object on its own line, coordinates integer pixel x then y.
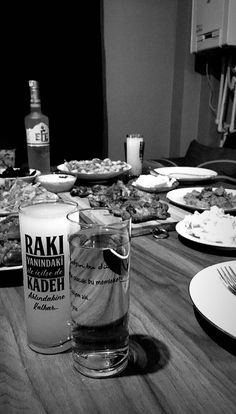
{"type": "Point", "coordinates": [221, 166]}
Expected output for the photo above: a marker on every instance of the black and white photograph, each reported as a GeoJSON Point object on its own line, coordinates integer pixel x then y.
{"type": "Point", "coordinates": [118, 207]}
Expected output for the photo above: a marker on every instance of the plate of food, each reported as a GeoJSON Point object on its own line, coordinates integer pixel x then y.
{"type": "Point", "coordinates": [10, 248]}
{"type": "Point", "coordinates": [155, 184]}
{"type": "Point", "coordinates": [26, 174]}
{"type": "Point", "coordinates": [187, 173]}
{"type": "Point", "coordinates": [19, 192]}
{"type": "Point", "coordinates": [95, 170]}
{"type": "Point", "coordinates": [205, 289]}
{"type": "Point", "coordinates": [124, 201]}
{"type": "Point", "coordinates": [212, 227]}
{"type": "Point", "coordinates": [203, 198]}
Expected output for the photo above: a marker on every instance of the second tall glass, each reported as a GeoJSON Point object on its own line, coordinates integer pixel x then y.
{"type": "Point", "coordinates": [99, 286]}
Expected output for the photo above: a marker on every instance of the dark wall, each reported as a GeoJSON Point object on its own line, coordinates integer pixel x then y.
{"type": "Point", "coordinates": [64, 52]}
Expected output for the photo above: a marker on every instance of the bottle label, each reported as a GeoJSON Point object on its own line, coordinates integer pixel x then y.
{"type": "Point", "coordinates": [38, 135]}
{"type": "Point", "coordinates": [45, 267]}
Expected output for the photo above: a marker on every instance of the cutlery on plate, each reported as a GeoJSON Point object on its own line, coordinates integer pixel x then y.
{"type": "Point", "coordinates": [177, 174]}
{"type": "Point", "coordinates": [228, 276]}
{"type": "Point", "coordinates": [181, 175]}
{"type": "Point", "coordinates": [156, 174]}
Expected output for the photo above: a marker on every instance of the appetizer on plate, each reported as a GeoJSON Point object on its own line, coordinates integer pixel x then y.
{"type": "Point", "coordinates": [153, 183]}
{"type": "Point", "coordinates": [209, 196]}
{"type": "Point", "coordinates": [10, 174]}
{"type": "Point", "coordinates": [22, 192]}
{"type": "Point", "coordinates": [10, 249]}
{"type": "Point", "coordinates": [124, 201]}
{"type": "Point", "coordinates": [212, 225]}
{"type": "Point", "coordinates": [95, 166]}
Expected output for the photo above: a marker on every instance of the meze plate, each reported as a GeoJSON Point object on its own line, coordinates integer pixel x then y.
{"type": "Point", "coordinates": [177, 197]}
{"type": "Point", "coordinates": [27, 178]}
{"type": "Point", "coordinates": [95, 177]}
{"type": "Point", "coordinates": [185, 233]}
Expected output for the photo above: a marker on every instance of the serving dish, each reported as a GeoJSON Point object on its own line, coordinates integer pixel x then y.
{"type": "Point", "coordinates": [187, 173]}
{"type": "Point", "coordinates": [57, 183]}
{"type": "Point", "coordinates": [21, 191]}
{"type": "Point", "coordinates": [212, 298]}
{"type": "Point", "coordinates": [176, 196]}
{"type": "Point", "coordinates": [27, 178]}
{"type": "Point", "coordinates": [155, 184]}
{"type": "Point", "coordinates": [114, 169]}
{"type": "Point", "coordinates": [183, 231]}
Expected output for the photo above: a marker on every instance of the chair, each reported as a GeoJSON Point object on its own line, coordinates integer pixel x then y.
{"type": "Point", "coordinates": [166, 162]}
{"type": "Point", "coordinates": [224, 168]}
{"type": "Point", "coordinates": [221, 160]}
{"type": "Point", "coordinates": [219, 165]}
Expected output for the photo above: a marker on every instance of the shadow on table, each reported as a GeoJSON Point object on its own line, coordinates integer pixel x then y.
{"type": "Point", "coordinates": [221, 338]}
{"type": "Point", "coordinates": [147, 354]}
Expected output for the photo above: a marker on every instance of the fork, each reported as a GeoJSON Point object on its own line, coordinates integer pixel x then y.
{"type": "Point", "coordinates": [228, 276]}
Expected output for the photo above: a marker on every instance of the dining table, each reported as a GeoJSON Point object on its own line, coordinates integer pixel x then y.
{"type": "Point", "coordinates": [180, 361]}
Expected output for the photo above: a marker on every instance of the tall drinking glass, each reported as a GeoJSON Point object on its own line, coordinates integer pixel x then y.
{"type": "Point", "coordinates": [134, 150]}
{"type": "Point", "coordinates": [45, 259]}
{"type": "Point", "coordinates": [99, 287]}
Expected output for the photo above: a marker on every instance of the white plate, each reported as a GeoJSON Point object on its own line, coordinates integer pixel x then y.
{"type": "Point", "coordinates": [187, 173]}
{"type": "Point", "coordinates": [97, 177]}
{"type": "Point", "coordinates": [7, 268]}
{"type": "Point", "coordinates": [182, 231]}
{"type": "Point", "coordinates": [212, 298]}
{"type": "Point", "coordinates": [27, 178]}
{"type": "Point", "coordinates": [177, 197]}
{"type": "Point", "coordinates": [156, 189]}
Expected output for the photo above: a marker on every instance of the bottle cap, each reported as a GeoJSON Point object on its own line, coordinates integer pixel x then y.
{"type": "Point", "coordinates": [33, 84]}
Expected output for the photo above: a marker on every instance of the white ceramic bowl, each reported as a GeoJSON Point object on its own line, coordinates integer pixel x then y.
{"type": "Point", "coordinates": [57, 183]}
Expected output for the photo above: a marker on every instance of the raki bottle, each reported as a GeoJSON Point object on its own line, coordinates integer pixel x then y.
{"type": "Point", "coordinates": [37, 133]}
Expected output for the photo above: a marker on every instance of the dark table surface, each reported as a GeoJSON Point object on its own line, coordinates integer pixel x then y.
{"type": "Point", "coordinates": [180, 362]}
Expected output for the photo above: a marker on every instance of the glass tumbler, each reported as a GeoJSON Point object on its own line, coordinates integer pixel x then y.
{"type": "Point", "coordinates": [99, 286]}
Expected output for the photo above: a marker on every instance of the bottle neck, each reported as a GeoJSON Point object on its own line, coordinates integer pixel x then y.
{"type": "Point", "coordinates": [35, 107]}
{"type": "Point", "coordinates": [35, 103]}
